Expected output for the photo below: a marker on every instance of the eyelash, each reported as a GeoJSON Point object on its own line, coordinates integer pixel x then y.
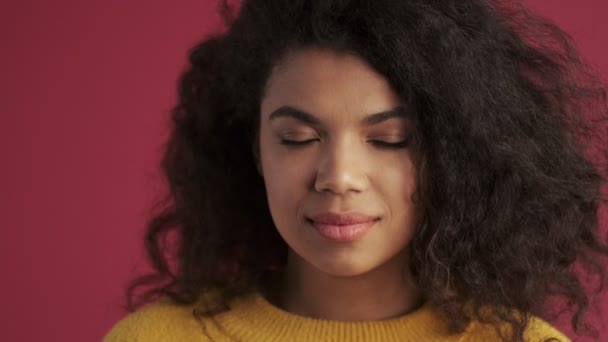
{"type": "Point", "coordinates": [383, 144]}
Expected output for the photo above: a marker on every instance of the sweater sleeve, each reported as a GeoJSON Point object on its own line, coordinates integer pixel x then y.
{"type": "Point", "coordinates": [161, 321]}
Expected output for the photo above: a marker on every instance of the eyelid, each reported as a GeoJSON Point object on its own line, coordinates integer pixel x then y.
{"type": "Point", "coordinates": [396, 144]}
{"type": "Point", "coordinates": [402, 143]}
{"type": "Point", "coordinates": [298, 136]}
{"type": "Point", "coordinates": [296, 143]}
{"type": "Point", "coordinates": [390, 136]}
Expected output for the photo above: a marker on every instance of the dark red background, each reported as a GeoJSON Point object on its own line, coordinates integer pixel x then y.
{"type": "Point", "coordinates": [85, 90]}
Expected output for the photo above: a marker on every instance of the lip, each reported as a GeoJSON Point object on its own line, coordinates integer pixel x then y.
{"type": "Point", "coordinates": [338, 219]}
{"type": "Point", "coordinates": [345, 227]}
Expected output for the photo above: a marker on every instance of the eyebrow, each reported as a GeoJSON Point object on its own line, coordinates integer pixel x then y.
{"type": "Point", "coordinates": [371, 119]}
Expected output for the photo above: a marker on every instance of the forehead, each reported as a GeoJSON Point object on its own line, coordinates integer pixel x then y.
{"type": "Point", "coordinates": [326, 82]}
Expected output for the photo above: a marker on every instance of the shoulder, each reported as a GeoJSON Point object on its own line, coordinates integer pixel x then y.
{"type": "Point", "coordinates": [159, 321]}
{"type": "Point", "coordinates": [537, 330]}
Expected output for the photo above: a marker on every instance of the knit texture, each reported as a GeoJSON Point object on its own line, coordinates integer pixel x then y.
{"type": "Point", "coordinates": [253, 318]}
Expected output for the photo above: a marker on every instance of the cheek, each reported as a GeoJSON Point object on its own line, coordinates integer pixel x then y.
{"type": "Point", "coordinates": [396, 182]}
{"type": "Point", "coordinates": [396, 189]}
{"type": "Point", "coordinates": [286, 179]}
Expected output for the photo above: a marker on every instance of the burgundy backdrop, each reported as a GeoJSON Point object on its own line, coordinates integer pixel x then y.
{"type": "Point", "coordinates": [85, 90]}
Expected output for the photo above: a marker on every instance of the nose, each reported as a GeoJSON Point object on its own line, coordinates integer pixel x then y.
{"type": "Point", "coordinates": [341, 168]}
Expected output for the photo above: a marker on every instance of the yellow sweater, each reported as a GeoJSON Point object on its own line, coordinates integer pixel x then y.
{"type": "Point", "coordinates": [253, 318]}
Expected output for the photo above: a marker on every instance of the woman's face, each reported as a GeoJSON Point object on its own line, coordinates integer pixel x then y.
{"type": "Point", "coordinates": [335, 158]}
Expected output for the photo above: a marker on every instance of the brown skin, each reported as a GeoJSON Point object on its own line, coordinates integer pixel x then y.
{"type": "Point", "coordinates": [342, 169]}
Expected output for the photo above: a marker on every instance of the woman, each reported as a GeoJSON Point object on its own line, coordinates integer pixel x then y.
{"type": "Point", "coordinates": [375, 171]}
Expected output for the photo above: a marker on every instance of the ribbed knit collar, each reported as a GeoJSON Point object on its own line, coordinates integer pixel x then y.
{"type": "Point", "coordinates": [253, 318]}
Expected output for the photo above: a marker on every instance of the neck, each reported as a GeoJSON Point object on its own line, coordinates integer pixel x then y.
{"type": "Point", "coordinates": [385, 292]}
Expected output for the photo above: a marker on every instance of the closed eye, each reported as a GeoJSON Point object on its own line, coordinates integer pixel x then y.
{"type": "Point", "coordinates": [296, 142]}
{"type": "Point", "coordinates": [386, 144]}
{"type": "Point", "coordinates": [379, 143]}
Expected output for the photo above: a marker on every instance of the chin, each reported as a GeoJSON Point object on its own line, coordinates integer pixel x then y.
{"type": "Point", "coordinates": [344, 268]}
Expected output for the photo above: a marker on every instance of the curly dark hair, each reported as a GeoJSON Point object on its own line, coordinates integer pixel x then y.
{"type": "Point", "coordinates": [510, 139]}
